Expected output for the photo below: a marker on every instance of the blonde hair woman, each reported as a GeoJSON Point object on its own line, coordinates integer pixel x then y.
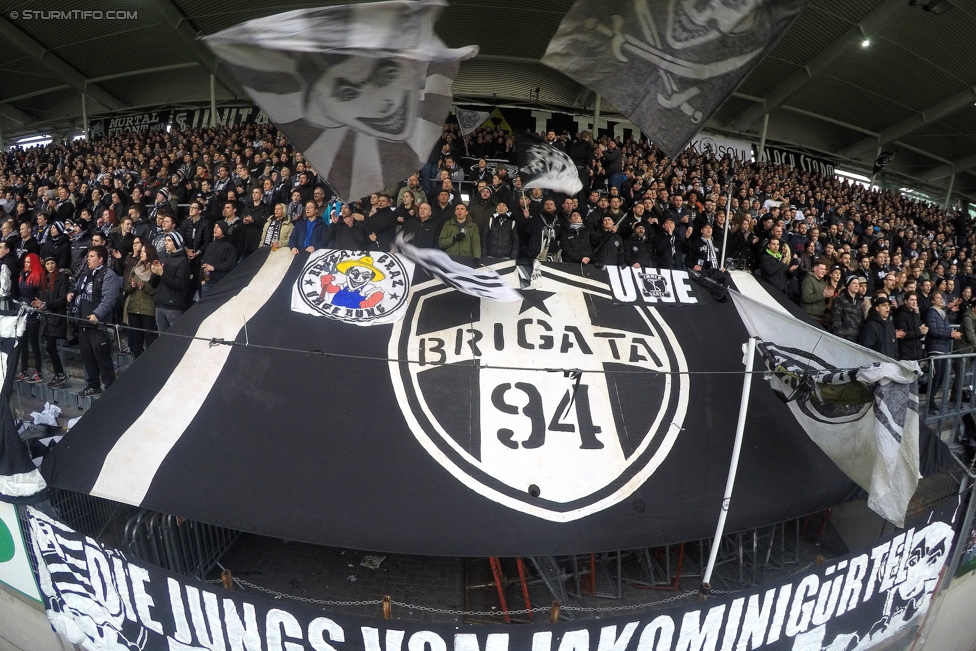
{"type": "Point", "coordinates": [277, 229]}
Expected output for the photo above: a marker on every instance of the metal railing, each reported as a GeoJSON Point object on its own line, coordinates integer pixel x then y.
{"type": "Point", "coordinates": [947, 399]}
{"type": "Point", "coordinates": [183, 546]}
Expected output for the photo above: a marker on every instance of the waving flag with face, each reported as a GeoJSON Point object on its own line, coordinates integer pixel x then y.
{"type": "Point", "coordinates": [362, 90]}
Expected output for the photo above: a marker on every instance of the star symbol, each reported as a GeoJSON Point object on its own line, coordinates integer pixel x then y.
{"type": "Point", "coordinates": [309, 281]}
{"type": "Point", "coordinates": [535, 298]}
{"type": "Point", "coordinates": [394, 296]}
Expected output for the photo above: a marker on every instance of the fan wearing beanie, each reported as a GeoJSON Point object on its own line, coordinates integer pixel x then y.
{"type": "Point", "coordinates": [171, 275]}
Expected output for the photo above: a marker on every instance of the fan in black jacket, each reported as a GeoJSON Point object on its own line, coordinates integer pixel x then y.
{"type": "Point", "coordinates": [702, 253]}
{"type": "Point", "coordinates": [638, 252]}
{"type": "Point", "coordinates": [254, 217]}
{"type": "Point", "coordinates": [500, 239]}
{"type": "Point", "coordinates": [575, 241]}
{"type": "Point", "coordinates": [772, 267]}
{"type": "Point", "coordinates": [382, 224]}
{"type": "Point", "coordinates": [171, 273]}
{"type": "Point", "coordinates": [909, 320]}
{"type": "Point", "coordinates": [422, 230]}
{"type": "Point", "coordinates": [57, 246]}
{"type": "Point", "coordinates": [667, 247]}
{"type": "Point", "coordinates": [607, 245]}
{"type": "Point", "coordinates": [348, 233]}
{"type": "Point", "coordinates": [218, 259]}
{"type": "Point", "coordinates": [878, 332]}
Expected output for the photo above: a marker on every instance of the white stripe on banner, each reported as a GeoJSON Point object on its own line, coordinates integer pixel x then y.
{"type": "Point", "coordinates": [132, 463]}
{"type": "Point", "coordinates": [748, 286]}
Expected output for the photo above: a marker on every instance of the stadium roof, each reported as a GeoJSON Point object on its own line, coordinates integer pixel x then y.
{"type": "Point", "coordinates": [848, 77]}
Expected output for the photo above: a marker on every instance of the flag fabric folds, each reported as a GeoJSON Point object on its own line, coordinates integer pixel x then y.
{"type": "Point", "coordinates": [20, 481]}
{"type": "Point", "coordinates": [362, 90]}
{"type": "Point", "coordinates": [470, 120]}
{"type": "Point", "coordinates": [483, 283]}
{"type": "Point", "coordinates": [543, 166]}
{"type": "Point", "coordinates": [667, 65]}
{"type": "Point", "coordinates": [860, 407]}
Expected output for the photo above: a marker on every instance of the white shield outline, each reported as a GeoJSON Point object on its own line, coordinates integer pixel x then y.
{"type": "Point", "coordinates": [621, 492]}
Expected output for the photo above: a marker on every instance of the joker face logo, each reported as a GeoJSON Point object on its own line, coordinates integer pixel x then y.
{"type": "Point", "coordinates": [377, 97]}
{"type": "Point", "coordinates": [353, 287]}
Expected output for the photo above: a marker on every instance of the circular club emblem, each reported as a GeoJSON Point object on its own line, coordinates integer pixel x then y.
{"type": "Point", "coordinates": [486, 392]}
{"type": "Point", "coordinates": [364, 288]}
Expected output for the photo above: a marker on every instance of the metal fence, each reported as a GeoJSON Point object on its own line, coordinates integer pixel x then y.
{"type": "Point", "coordinates": [947, 399]}
{"type": "Point", "coordinates": [182, 546]}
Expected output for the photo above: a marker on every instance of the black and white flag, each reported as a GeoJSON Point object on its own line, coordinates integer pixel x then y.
{"type": "Point", "coordinates": [20, 481]}
{"type": "Point", "coordinates": [883, 159]}
{"type": "Point", "coordinates": [667, 65]}
{"type": "Point", "coordinates": [362, 90]}
{"type": "Point", "coordinates": [543, 166]}
{"type": "Point", "coordinates": [483, 283]}
{"type": "Point", "coordinates": [859, 407]}
{"type": "Point", "coordinates": [470, 120]}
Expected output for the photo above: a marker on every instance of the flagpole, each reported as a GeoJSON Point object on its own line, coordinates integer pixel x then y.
{"type": "Point", "coordinates": [730, 482]}
{"type": "Point", "coordinates": [725, 231]}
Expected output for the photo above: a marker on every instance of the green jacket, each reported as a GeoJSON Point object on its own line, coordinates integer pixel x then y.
{"type": "Point", "coordinates": [139, 300]}
{"type": "Point", "coordinates": [419, 196]}
{"type": "Point", "coordinates": [469, 247]}
{"type": "Point", "coordinates": [968, 342]}
{"type": "Point", "coordinates": [812, 298]}
{"type": "Point", "coordinates": [480, 212]}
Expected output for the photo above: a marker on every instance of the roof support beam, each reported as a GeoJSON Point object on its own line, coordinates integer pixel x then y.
{"type": "Point", "coordinates": [170, 14]}
{"type": "Point", "coordinates": [93, 80]}
{"type": "Point", "coordinates": [907, 126]}
{"type": "Point", "coordinates": [15, 114]}
{"type": "Point", "coordinates": [55, 64]}
{"type": "Point", "coordinates": [36, 93]}
{"type": "Point", "coordinates": [942, 171]}
{"type": "Point", "coordinates": [146, 71]}
{"type": "Point", "coordinates": [869, 26]}
{"type": "Point", "coordinates": [839, 123]}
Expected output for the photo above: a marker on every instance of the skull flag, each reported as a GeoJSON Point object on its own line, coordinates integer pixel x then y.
{"type": "Point", "coordinates": [362, 90]}
{"type": "Point", "coordinates": [667, 64]}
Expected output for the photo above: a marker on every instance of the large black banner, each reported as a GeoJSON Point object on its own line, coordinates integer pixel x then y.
{"type": "Point", "coordinates": [227, 116]}
{"type": "Point", "coordinates": [104, 601]}
{"type": "Point", "coordinates": [597, 413]}
{"type": "Point", "coordinates": [799, 160]}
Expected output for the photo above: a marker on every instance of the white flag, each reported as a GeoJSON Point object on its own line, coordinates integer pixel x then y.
{"type": "Point", "coordinates": [470, 120]}
{"type": "Point", "coordinates": [859, 406]}
{"type": "Point", "coordinates": [362, 90]}
{"type": "Point", "coordinates": [483, 283]}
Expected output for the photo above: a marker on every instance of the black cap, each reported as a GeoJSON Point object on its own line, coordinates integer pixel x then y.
{"type": "Point", "coordinates": [879, 300]}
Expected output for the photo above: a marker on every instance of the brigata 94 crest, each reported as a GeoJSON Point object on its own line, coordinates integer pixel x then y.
{"type": "Point", "coordinates": [485, 393]}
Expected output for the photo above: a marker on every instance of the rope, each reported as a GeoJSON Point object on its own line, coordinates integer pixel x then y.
{"type": "Point", "coordinates": [215, 341]}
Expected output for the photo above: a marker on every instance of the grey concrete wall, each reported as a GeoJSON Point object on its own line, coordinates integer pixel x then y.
{"type": "Point", "coordinates": [951, 621]}
{"type": "Point", "coordinates": [24, 627]}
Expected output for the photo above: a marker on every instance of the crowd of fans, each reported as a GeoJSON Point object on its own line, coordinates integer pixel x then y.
{"type": "Point", "coordinates": [134, 228]}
